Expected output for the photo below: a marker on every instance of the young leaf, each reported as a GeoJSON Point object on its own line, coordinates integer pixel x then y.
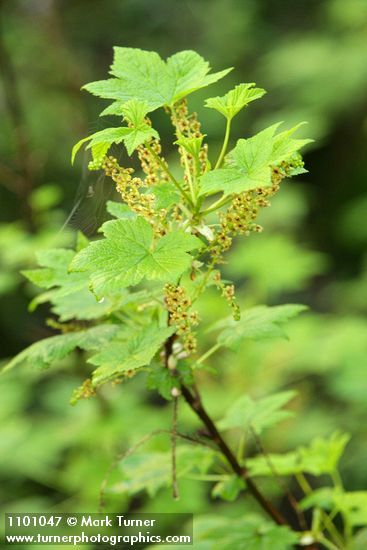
{"type": "Point", "coordinates": [135, 111]}
{"type": "Point", "coordinates": [130, 253]}
{"type": "Point", "coordinates": [254, 153]}
{"type": "Point", "coordinates": [191, 144]}
{"type": "Point", "coordinates": [103, 137]}
{"type": "Point", "coordinates": [250, 166]}
{"type": "Point", "coordinates": [257, 323]}
{"type": "Point", "coordinates": [235, 100]}
{"type": "Point", "coordinates": [258, 415]}
{"type": "Point", "coordinates": [323, 455]}
{"type": "Point", "coordinates": [45, 352]}
{"type": "Point", "coordinates": [144, 76]}
{"type": "Point", "coordinates": [128, 352]}
{"type": "Point", "coordinates": [99, 150]}
{"type": "Point", "coordinates": [322, 498]}
{"type": "Point", "coordinates": [286, 464]}
{"type": "Point", "coordinates": [132, 137]}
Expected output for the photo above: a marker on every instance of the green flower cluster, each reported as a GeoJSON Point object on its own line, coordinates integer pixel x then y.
{"type": "Point", "coordinates": [178, 305]}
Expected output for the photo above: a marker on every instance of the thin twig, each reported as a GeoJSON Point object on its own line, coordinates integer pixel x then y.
{"type": "Point", "coordinates": [125, 454]}
{"type": "Point", "coordinates": [119, 458]}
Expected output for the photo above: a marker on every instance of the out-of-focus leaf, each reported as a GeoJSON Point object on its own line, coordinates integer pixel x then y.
{"type": "Point", "coordinates": [131, 351]}
{"type": "Point", "coordinates": [257, 323]}
{"type": "Point", "coordinates": [152, 471]}
{"type": "Point", "coordinates": [45, 352]}
{"type": "Point", "coordinates": [69, 292]}
{"type": "Point", "coordinates": [320, 457]}
{"type": "Point", "coordinates": [352, 504]}
{"type": "Point", "coordinates": [229, 489]}
{"type": "Point", "coordinates": [248, 532]}
{"type": "Point", "coordinates": [258, 415]}
{"type": "Point", "coordinates": [275, 263]}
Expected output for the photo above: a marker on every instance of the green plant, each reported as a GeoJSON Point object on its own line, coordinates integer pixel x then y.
{"type": "Point", "coordinates": [131, 299]}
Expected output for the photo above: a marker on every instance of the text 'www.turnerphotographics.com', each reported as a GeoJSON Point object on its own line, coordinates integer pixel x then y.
{"type": "Point", "coordinates": [122, 530]}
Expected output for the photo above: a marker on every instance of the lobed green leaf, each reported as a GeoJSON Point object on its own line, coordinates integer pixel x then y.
{"type": "Point", "coordinates": [143, 76]}
{"type": "Point", "coordinates": [43, 353]}
{"type": "Point", "coordinates": [130, 253]}
{"type": "Point", "coordinates": [128, 351]}
{"type": "Point", "coordinates": [257, 415]}
{"type": "Point", "coordinates": [249, 163]}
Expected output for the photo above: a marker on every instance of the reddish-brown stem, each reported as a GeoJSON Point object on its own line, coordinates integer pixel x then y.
{"type": "Point", "coordinates": [196, 405]}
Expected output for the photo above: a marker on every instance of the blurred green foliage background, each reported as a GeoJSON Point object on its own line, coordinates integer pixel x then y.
{"type": "Point", "coordinates": [311, 57]}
